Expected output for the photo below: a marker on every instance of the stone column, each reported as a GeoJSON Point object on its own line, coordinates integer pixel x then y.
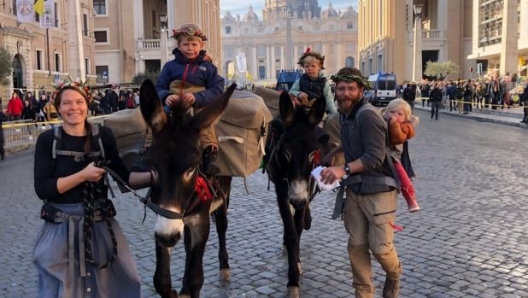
{"type": "Point", "coordinates": [417, 45]}
{"type": "Point", "coordinates": [254, 60]}
{"type": "Point", "coordinates": [269, 75]}
{"type": "Point", "coordinates": [509, 45]}
{"type": "Point", "coordinates": [272, 50]}
{"type": "Point", "coordinates": [282, 57]}
{"type": "Point", "coordinates": [523, 20]}
{"type": "Point", "coordinates": [76, 68]}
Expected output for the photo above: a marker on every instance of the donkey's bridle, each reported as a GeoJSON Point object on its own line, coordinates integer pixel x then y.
{"type": "Point", "coordinates": [189, 206]}
{"type": "Point", "coordinates": [274, 162]}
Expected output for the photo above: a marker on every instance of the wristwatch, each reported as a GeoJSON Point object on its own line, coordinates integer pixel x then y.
{"type": "Point", "coordinates": [347, 169]}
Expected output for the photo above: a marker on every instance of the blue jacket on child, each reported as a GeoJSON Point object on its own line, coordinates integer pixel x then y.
{"type": "Point", "coordinates": [198, 72]}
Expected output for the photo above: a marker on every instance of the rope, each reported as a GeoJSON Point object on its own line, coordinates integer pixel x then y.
{"type": "Point", "coordinates": [89, 192]}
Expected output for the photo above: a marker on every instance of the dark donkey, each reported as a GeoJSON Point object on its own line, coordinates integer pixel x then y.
{"type": "Point", "coordinates": [178, 189]}
{"type": "Point", "coordinates": [290, 165]}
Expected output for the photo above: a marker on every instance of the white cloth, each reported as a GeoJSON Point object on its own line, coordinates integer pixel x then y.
{"type": "Point", "coordinates": [316, 173]}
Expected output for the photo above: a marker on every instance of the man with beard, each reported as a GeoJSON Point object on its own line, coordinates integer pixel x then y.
{"type": "Point", "coordinates": [371, 189]}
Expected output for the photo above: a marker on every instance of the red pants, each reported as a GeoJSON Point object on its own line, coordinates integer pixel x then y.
{"type": "Point", "coordinates": [406, 186]}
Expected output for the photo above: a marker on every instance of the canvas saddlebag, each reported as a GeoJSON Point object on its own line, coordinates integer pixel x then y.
{"type": "Point", "coordinates": [241, 134]}
{"type": "Point", "coordinates": [130, 132]}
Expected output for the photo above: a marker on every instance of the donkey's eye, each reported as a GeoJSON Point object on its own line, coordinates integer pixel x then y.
{"type": "Point", "coordinates": [189, 174]}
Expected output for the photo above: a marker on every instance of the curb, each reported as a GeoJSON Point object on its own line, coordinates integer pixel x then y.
{"type": "Point", "coordinates": [510, 121]}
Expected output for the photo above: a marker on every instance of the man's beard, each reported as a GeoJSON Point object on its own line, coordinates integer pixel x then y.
{"type": "Point", "coordinates": [346, 110]}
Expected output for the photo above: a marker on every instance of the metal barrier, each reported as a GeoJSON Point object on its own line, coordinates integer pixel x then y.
{"type": "Point", "coordinates": [25, 132]}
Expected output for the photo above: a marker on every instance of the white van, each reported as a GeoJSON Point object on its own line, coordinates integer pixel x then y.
{"type": "Point", "coordinates": [384, 88]}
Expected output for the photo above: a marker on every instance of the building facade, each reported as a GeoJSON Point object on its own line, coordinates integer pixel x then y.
{"type": "Point", "coordinates": [287, 29]}
{"type": "Point", "coordinates": [132, 39]}
{"type": "Point", "coordinates": [42, 56]}
{"type": "Point", "coordinates": [501, 31]}
{"type": "Point", "coordinates": [386, 36]}
{"type": "Point", "coordinates": [484, 37]}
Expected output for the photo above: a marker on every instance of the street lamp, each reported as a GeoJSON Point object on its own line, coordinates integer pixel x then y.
{"type": "Point", "coordinates": [163, 40]}
{"type": "Point", "coordinates": [290, 14]}
{"type": "Point", "coordinates": [417, 48]}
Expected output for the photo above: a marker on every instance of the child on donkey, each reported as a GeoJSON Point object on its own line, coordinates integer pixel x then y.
{"type": "Point", "coordinates": [401, 128]}
{"type": "Point", "coordinates": [311, 85]}
{"type": "Point", "coordinates": [191, 80]}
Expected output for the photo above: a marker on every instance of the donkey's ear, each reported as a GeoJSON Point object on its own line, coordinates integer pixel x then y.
{"type": "Point", "coordinates": [286, 109]}
{"type": "Point", "coordinates": [317, 111]}
{"type": "Point", "coordinates": [212, 111]}
{"type": "Point", "coordinates": [150, 106]}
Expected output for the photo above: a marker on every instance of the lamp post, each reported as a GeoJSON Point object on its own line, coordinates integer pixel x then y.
{"type": "Point", "coordinates": [163, 40]}
{"type": "Point", "coordinates": [289, 43]}
{"type": "Point", "coordinates": [417, 48]}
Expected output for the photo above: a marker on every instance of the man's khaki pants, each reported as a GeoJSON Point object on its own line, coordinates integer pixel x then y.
{"type": "Point", "coordinates": [368, 221]}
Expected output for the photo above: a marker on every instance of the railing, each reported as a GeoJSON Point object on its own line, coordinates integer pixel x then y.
{"type": "Point", "coordinates": [432, 34]}
{"type": "Point", "coordinates": [25, 132]}
{"type": "Point", "coordinates": [149, 44]}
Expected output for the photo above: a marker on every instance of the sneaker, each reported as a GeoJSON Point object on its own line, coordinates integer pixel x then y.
{"type": "Point", "coordinates": [391, 289]}
{"type": "Point", "coordinates": [414, 208]}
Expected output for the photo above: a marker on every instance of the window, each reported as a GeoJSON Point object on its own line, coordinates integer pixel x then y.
{"type": "Point", "coordinates": [101, 36]}
{"type": "Point", "coordinates": [261, 51]}
{"type": "Point", "coordinates": [102, 73]}
{"type": "Point", "coordinates": [57, 62]}
{"type": "Point", "coordinates": [246, 31]}
{"type": "Point", "coordinates": [87, 65]}
{"type": "Point", "coordinates": [380, 61]}
{"type": "Point", "coordinates": [37, 17]}
{"type": "Point", "coordinates": [57, 15]}
{"type": "Point", "coordinates": [99, 6]}
{"type": "Point", "coordinates": [349, 62]}
{"type": "Point", "coordinates": [228, 30]}
{"type": "Point", "coordinates": [262, 72]}
{"type": "Point", "coordinates": [39, 60]}
{"type": "Point", "coordinates": [350, 26]}
{"type": "Point", "coordinates": [14, 2]}
{"type": "Point", "coordinates": [85, 24]}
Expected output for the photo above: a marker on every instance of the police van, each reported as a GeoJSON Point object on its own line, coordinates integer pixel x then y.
{"type": "Point", "coordinates": [384, 88]}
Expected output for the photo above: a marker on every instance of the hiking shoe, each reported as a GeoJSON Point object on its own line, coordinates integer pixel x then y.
{"type": "Point", "coordinates": [391, 289]}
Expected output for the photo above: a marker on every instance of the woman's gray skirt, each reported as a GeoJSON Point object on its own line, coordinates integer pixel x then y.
{"type": "Point", "coordinates": [53, 258]}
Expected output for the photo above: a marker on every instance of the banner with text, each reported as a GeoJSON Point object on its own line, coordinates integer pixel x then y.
{"type": "Point", "coordinates": [47, 20]}
{"type": "Point", "coordinates": [25, 13]}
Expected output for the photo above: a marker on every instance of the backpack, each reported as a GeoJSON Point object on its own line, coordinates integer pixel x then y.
{"type": "Point", "coordinates": [77, 155]}
{"type": "Point", "coordinates": [354, 179]}
{"type": "Point", "coordinates": [96, 138]}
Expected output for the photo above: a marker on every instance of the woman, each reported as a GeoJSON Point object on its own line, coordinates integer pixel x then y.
{"type": "Point", "coordinates": [79, 219]}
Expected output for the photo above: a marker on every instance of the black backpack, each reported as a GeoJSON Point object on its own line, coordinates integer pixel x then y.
{"type": "Point", "coordinates": [459, 92]}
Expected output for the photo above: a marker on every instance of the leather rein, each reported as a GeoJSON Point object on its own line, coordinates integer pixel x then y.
{"type": "Point", "coordinates": [190, 205]}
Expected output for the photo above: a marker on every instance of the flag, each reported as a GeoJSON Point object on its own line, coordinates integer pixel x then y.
{"type": "Point", "coordinates": [47, 20]}
{"type": "Point", "coordinates": [39, 7]}
{"type": "Point", "coordinates": [24, 11]}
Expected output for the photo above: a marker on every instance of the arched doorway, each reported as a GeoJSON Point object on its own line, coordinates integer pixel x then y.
{"type": "Point", "coordinates": [18, 72]}
{"type": "Point", "coordinates": [229, 68]}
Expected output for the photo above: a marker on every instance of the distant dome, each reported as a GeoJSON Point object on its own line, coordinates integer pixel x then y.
{"type": "Point", "coordinates": [329, 12]}
{"type": "Point", "coordinates": [349, 13]}
{"type": "Point", "coordinates": [228, 17]}
{"type": "Point", "coordinates": [250, 15]}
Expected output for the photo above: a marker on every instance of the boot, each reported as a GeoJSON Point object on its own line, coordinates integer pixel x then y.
{"type": "Point", "coordinates": [391, 289]}
{"type": "Point", "coordinates": [210, 167]}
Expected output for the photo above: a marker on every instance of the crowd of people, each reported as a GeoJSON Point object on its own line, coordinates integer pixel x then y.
{"type": "Point", "coordinates": [464, 95]}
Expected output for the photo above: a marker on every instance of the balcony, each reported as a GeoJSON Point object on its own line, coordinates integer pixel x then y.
{"type": "Point", "coordinates": [150, 49]}
{"type": "Point", "coordinates": [433, 35]}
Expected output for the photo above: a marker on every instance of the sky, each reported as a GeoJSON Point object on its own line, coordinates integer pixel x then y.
{"type": "Point", "coordinates": [241, 7]}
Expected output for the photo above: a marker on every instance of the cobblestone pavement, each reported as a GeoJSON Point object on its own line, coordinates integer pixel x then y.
{"type": "Point", "coordinates": [470, 239]}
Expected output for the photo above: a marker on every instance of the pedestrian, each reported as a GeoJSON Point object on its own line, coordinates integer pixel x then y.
{"type": "Point", "coordinates": [80, 248]}
{"type": "Point", "coordinates": [451, 93]}
{"type": "Point", "coordinates": [401, 125]}
{"type": "Point", "coordinates": [3, 118]}
{"type": "Point", "coordinates": [436, 100]}
{"type": "Point", "coordinates": [409, 94]}
{"type": "Point", "coordinates": [371, 200]}
{"type": "Point", "coordinates": [15, 107]}
{"type": "Point", "coordinates": [191, 80]}
{"type": "Point", "coordinates": [524, 101]}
